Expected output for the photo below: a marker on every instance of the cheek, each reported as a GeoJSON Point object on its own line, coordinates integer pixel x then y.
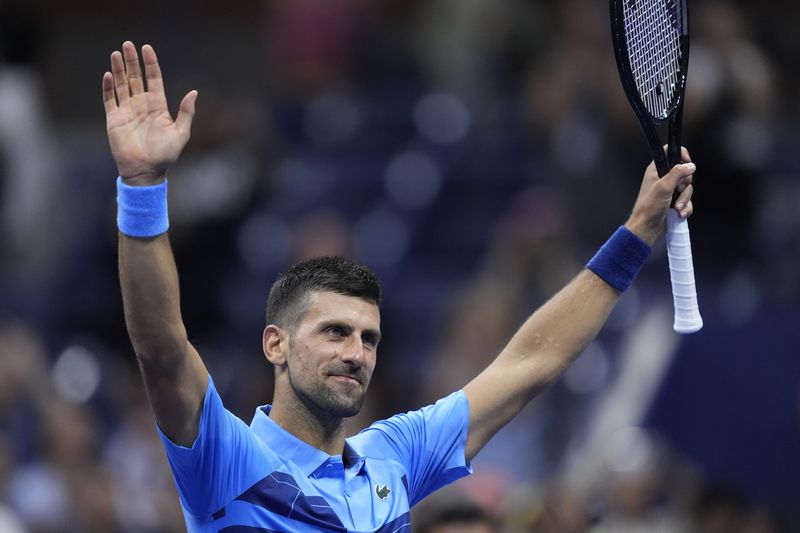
{"type": "Point", "coordinates": [372, 360]}
{"type": "Point", "coordinates": [310, 357]}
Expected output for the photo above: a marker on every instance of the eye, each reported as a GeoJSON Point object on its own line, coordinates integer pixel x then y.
{"type": "Point", "coordinates": [370, 340]}
{"type": "Point", "coordinates": [336, 331]}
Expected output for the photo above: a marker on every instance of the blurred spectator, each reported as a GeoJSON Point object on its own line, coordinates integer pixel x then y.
{"type": "Point", "coordinates": [452, 514]}
{"type": "Point", "coordinates": [9, 523]}
{"type": "Point", "coordinates": [141, 487]}
{"type": "Point", "coordinates": [637, 505]}
{"type": "Point", "coordinates": [25, 390]}
{"type": "Point", "coordinates": [719, 509]}
{"type": "Point", "coordinates": [547, 509]}
{"type": "Point", "coordinates": [310, 42]}
{"type": "Point", "coordinates": [29, 179]}
{"type": "Point", "coordinates": [46, 491]}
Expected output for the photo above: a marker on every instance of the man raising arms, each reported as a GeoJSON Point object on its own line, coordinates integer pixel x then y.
{"type": "Point", "coordinates": [292, 469]}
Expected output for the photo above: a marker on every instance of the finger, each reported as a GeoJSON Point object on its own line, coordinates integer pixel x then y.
{"type": "Point", "coordinates": [678, 173]}
{"type": "Point", "coordinates": [120, 79]}
{"type": "Point", "coordinates": [152, 71]}
{"type": "Point", "coordinates": [132, 68]}
{"type": "Point", "coordinates": [685, 157]}
{"type": "Point", "coordinates": [186, 113]}
{"type": "Point", "coordinates": [109, 102]}
{"type": "Point", "coordinates": [684, 199]}
{"type": "Point", "coordinates": [685, 182]}
{"type": "Point", "coordinates": [687, 211]}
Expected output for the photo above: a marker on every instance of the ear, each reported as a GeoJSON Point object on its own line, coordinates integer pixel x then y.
{"type": "Point", "coordinates": [275, 343]}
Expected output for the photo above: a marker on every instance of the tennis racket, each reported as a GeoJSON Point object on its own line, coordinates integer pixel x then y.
{"type": "Point", "coordinates": [651, 45]}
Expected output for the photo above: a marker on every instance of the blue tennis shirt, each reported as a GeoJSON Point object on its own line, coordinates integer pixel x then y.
{"type": "Point", "coordinates": [260, 478]}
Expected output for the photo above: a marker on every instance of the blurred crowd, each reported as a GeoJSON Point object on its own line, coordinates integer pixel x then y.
{"type": "Point", "coordinates": [474, 153]}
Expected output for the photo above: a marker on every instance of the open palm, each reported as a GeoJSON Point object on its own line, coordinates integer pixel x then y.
{"type": "Point", "coordinates": [143, 137]}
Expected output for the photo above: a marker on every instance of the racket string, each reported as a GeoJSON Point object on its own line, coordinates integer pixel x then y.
{"type": "Point", "coordinates": [654, 51]}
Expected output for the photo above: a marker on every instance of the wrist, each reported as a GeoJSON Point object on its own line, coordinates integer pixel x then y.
{"type": "Point", "coordinates": [642, 230]}
{"type": "Point", "coordinates": [144, 179]}
{"type": "Point", "coordinates": [619, 260]}
{"type": "Point", "coordinates": [142, 210]}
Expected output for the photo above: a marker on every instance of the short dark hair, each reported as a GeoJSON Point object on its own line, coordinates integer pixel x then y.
{"type": "Point", "coordinates": [335, 274]}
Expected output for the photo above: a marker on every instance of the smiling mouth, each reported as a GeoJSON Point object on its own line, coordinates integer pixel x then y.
{"type": "Point", "coordinates": [346, 379]}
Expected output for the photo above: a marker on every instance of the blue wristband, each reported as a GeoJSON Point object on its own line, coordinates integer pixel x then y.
{"type": "Point", "coordinates": [142, 211]}
{"type": "Point", "coordinates": [620, 259]}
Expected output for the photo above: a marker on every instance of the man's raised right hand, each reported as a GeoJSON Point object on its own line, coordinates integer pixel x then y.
{"type": "Point", "coordinates": [143, 137]}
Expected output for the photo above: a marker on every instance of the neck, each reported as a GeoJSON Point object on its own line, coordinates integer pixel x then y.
{"type": "Point", "coordinates": [308, 423]}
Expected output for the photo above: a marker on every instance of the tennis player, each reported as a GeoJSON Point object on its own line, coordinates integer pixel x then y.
{"type": "Point", "coordinates": [292, 469]}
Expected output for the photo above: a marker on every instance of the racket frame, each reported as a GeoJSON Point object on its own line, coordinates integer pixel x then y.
{"type": "Point", "coordinates": [647, 121]}
{"type": "Point", "coordinates": [687, 314]}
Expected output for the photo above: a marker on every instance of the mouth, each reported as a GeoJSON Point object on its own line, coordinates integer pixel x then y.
{"type": "Point", "coordinates": [346, 379]}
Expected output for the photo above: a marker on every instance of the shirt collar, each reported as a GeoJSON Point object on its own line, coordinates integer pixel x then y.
{"type": "Point", "coordinates": [290, 448]}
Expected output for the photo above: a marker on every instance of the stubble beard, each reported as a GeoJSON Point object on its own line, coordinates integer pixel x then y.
{"type": "Point", "coordinates": [329, 402]}
{"type": "Point", "coordinates": [322, 399]}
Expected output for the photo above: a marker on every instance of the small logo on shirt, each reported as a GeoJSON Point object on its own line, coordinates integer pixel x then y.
{"type": "Point", "coordinates": [382, 491]}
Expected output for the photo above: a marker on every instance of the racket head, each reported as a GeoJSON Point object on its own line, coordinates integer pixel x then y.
{"type": "Point", "coordinates": [651, 46]}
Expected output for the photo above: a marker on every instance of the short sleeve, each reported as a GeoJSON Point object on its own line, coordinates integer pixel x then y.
{"type": "Point", "coordinates": [224, 460]}
{"type": "Point", "coordinates": [429, 443]}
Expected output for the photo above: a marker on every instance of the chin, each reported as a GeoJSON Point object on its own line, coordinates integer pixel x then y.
{"type": "Point", "coordinates": [342, 406]}
{"type": "Point", "coordinates": [334, 403]}
{"type": "Point", "coordinates": [346, 409]}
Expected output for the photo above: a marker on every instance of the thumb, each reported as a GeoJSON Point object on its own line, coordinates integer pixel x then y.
{"type": "Point", "coordinates": [186, 113]}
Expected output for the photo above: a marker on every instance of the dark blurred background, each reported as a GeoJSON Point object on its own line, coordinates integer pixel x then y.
{"type": "Point", "coordinates": [475, 153]}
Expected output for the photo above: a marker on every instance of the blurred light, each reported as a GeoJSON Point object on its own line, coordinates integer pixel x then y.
{"type": "Point", "coordinates": [264, 241]}
{"type": "Point", "coordinates": [381, 238]}
{"type": "Point", "coordinates": [299, 179]}
{"type": "Point", "coordinates": [413, 179]}
{"type": "Point", "coordinates": [331, 118]}
{"type": "Point", "coordinates": [738, 299]}
{"type": "Point", "coordinates": [576, 146]}
{"type": "Point", "coordinates": [748, 142]}
{"type": "Point", "coordinates": [589, 372]}
{"type": "Point", "coordinates": [706, 77]}
{"type": "Point", "coordinates": [442, 118]}
{"type": "Point", "coordinates": [39, 497]}
{"type": "Point", "coordinates": [629, 450]}
{"type": "Point", "coordinates": [321, 232]}
{"type": "Point", "coordinates": [215, 185]}
{"type": "Point", "coordinates": [750, 68]}
{"type": "Point", "coordinates": [76, 374]}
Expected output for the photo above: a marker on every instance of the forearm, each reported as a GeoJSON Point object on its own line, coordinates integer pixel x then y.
{"type": "Point", "coordinates": [150, 294]}
{"type": "Point", "coordinates": [559, 331]}
{"type": "Point", "coordinates": [550, 339]}
{"type": "Point", "coordinates": [537, 354]}
{"type": "Point", "coordinates": [562, 328]}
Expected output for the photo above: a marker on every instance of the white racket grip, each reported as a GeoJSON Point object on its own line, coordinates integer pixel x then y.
{"type": "Point", "coordinates": [681, 272]}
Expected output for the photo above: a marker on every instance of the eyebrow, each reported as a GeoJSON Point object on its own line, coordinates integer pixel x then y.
{"type": "Point", "coordinates": [342, 324]}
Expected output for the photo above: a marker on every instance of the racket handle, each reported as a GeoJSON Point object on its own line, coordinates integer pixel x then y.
{"type": "Point", "coordinates": [681, 271]}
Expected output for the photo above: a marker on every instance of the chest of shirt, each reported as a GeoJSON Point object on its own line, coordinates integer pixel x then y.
{"type": "Point", "coordinates": [367, 496]}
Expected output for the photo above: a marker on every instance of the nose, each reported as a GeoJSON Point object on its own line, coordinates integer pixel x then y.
{"type": "Point", "coordinates": [353, 351]}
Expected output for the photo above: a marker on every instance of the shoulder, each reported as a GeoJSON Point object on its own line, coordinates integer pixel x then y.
{"type": "Point", "coordinates": [404, 429]}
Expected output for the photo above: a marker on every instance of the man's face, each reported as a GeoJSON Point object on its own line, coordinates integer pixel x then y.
{"type": "Point", "coordinates": [332, 353]}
